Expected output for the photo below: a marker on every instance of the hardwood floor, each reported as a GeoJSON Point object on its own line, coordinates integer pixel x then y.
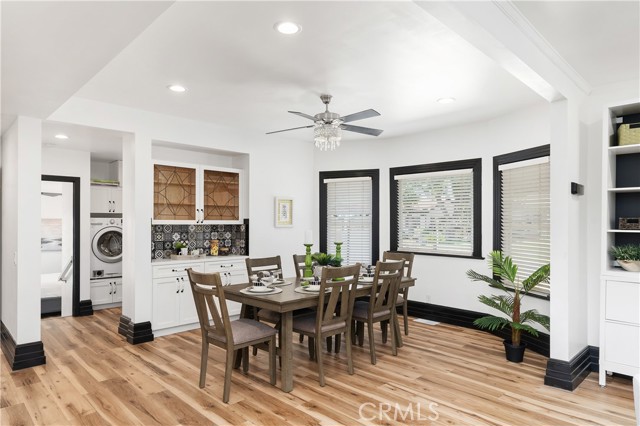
{"type": "Point", "coordinates": [443, 375]}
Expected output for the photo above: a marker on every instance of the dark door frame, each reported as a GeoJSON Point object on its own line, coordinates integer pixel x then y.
{"type": "Point", "coordinates": [75, 301]}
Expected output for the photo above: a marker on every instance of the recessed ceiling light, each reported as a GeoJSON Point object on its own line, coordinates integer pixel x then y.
{"type": "Point", "coordinates": [446, 100]}
{"type": "Point", "coordinates": [177, 88]}
{"type": "Point", "coordinates": [61, 136]}
{"type": "Point", "coordinates": [287, 28]}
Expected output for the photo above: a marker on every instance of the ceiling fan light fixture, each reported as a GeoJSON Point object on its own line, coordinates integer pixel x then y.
{"type": "Point", "coordinates": [287, 28]}
{"type": "Point", "coordinates": [327, 137]}
{"type": "Point", "coordinates": [446, 100]}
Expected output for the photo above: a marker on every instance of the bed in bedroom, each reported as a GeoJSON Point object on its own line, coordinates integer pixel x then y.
{"type": "Point", "coordinates": [50, 294]}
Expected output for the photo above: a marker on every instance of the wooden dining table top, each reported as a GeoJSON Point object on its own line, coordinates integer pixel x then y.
{"type": "Point", "coordinates": [290, 300]}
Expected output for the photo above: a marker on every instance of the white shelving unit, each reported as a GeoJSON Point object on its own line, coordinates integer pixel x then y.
{"type": "Point", "coordinates": [620, 289]}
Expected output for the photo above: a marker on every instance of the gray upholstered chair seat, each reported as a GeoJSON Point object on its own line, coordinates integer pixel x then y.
{"type": "Point", "coordinates": [246, 330]}
{"type": "Point", "coordinates": [307, 324]}
{"type": "Point", "coordinates": [361, 312]}
{"type": "Point", "coordinates": [269, 315]}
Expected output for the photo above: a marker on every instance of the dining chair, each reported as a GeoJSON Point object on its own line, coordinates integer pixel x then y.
{"type": "Point", "coordinates": [381, 306]}
{"type": "Point", "coordinates": [264, 264]}
{"type": "Point", "coordinates": [298, 264]}
{"type": "Point", "coordinates": [224, 333]}
{"type": "Point", "coordinates": [403, 295]}
{"type": "Point", "coordinates": [333, 314]}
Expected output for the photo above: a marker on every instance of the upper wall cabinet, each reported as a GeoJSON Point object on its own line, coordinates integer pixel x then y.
{"type": "Point", "coordinates": [106, 199]}
{"type": "Point", "coordinates": [186, 193]}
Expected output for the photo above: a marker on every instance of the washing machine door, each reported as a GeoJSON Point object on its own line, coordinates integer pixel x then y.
{"type": "Point", "coordinates": [107, 244]}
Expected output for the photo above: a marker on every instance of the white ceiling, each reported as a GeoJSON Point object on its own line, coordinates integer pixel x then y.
{"type": "Point", "coordinates": [390, 56]}
{"type": "Point", "coordinates": [103, 144]}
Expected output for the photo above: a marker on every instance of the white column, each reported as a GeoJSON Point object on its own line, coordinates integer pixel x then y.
{"type": "Point", "coordinates": [568, 306]}
{"type": "Point", "coordinates": [21, 179]}
{"type": "Point", "coordinates": [137, 210]}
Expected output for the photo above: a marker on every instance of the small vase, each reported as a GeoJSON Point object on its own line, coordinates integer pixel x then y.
{"type": "Point", "coordinates": [317, 271]}
{"type": "Point", "coordinates": [514, 353]}
{"type": "Point", "coordinates": [184, 251]}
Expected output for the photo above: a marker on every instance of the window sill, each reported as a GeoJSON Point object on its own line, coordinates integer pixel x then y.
{"type": "Point", "coordinates": [442, 255]}
{"type": "Point", "coordinates": [534, 295]}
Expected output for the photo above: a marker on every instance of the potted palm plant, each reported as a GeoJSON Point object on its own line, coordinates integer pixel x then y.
{"type": "Point", "coordinates": [509, 303]}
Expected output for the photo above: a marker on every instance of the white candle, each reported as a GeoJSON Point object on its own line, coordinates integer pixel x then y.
{"type": "Point", "coordinates": [308, 236]}
{"type": "Point", "coordinates": [338, 236]}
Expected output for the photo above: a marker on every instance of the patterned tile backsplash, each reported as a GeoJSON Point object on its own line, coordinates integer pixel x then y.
{"type": "Point", "coordinates": [199, 236]}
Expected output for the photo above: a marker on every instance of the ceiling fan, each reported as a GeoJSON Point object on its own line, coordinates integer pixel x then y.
{"type": "Point", "coordinates": [330, 120]}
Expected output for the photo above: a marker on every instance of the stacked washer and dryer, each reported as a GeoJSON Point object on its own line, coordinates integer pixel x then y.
{"type": "Point", "coordinates": [106, 260]}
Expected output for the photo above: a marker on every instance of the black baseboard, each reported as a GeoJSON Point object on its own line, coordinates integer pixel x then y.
{"type": "Point", "coordinates": [568, 375]}
{"type": "Point", "coordinates": [464, 318]}
{"type": "Point", "coordinates": [21, 356]}
{"type": "Point", "coordinates": [86, 308]}
{"type": "Point", "coordinates": [135, 333]}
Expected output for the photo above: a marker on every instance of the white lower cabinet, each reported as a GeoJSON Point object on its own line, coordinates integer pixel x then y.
{"type": "Point", "coordinates": [106, 292]}
{"type": "Point", "coordinates": [173, 304]}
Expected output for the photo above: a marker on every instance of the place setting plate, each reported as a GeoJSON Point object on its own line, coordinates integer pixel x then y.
{"type": "Point", "coordinates": [280, 283]}
{"type": "Point", "coordinates": [306, 290]}
{"type": "Point", "coordinates": [255, 292]}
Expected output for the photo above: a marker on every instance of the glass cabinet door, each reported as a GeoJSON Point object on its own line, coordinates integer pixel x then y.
{"type": "Point", "coordinates": [174, 193]}
{"type": "Point", "coordinates": [221, 195]}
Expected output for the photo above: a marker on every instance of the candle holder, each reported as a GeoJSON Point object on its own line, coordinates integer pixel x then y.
{"type": "Point", "coordinates": [308, 271]}
{"type": "Point", "coordinates": [338, 250]}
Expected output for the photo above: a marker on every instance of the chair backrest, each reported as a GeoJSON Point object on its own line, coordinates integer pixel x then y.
{"type": "Point", "coordinates": [336, 307]}
{"type": "Point", "coordinates": [263, 264]}
{"type": "Point", "coordinates": [386, 283]}
{"type": "Point", "coordinates": [406, 257]}
{"type": "Point", "coordinates": [298, 263]}
{"type": "Point", "coordinates": [204, 288]}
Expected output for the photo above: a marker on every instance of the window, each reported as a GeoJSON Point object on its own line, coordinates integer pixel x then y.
{"type": "Point", "coordinates": [349, 211]}
{"type": "Point", "coordinates": [522, 217]}
{"type": "Point", "coordinates": [435, 208]}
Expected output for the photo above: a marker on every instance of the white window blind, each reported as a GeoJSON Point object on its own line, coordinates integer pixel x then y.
{"type": "Point", "coordinates": [525, 216]}
{"type": "Point", "coordinates": [349, 218]}
{"type": "Point", "coordinates": [435, 212]}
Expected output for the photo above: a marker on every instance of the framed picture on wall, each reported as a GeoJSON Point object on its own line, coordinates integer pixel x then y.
{"type": "Point", "coordinates": [284, 212]}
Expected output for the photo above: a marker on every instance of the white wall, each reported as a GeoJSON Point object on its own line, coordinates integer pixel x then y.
{"type": "Point", "coordinates": [66, 162]}
{"type": "Point", "coordinates": [21, 153]}
{"type": "Point", "coordinates": [442, 280]}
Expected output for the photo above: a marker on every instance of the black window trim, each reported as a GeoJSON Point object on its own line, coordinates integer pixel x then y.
{"type": "Point", "coordinates": [374, 174]}
{"type": "Point", "coordinates": [476, 165]}
{"type": "Point", "coordinates": [512, 157]}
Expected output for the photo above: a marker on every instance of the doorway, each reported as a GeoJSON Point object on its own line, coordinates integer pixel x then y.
{"type": "Point", "coordinates": [60, 246]}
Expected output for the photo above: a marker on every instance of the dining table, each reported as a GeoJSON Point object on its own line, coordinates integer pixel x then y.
{"type": "Point", "coordinates": [285, 303]}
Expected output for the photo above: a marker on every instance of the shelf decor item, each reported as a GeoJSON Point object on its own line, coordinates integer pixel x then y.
{"type": "Point", "coordinates": [284, 212]}
{"type": "Point", "coordinates": [509, 304]}
{"type": "Point", "coordinates": [308, 263]}
{"type": "Point", "coordinates": [627, 256]}
{"type": "Point", "coordinates": [629, 223]}
{"type": "Point", "coordinates": [629, 134]}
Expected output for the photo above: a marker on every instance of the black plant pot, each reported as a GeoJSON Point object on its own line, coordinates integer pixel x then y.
{"type": "Point", "coordinates": [514, 353]}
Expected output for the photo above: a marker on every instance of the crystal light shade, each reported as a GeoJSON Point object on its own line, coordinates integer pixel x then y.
{"type": "Point", "coordinates": [327, 136]}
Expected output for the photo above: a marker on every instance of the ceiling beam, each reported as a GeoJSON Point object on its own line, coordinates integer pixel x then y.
{"type": "Point", "coordinates": [502, 32]}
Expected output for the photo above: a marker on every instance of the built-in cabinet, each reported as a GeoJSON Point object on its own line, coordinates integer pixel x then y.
{"type": "Point", "coordinates": [186, 193]}
{"type": "Point", "coordinates": [620, 289]}
{"type": "Point", "coordinates": [106, 199]}
{"type": "Point", "coordinates": [106, 293]}
{"type": "Point", "coordinates": [173, 305]}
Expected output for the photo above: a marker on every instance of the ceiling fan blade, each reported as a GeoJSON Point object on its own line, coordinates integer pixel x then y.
{"type": "Point", "coordinates": [302, 114]}
{"type": "Point", "coordinates": [294, 128]}
{"type": "Point", "coordinates": [360, 115]}
{"type": "Point", "coordinates": [364, 130]}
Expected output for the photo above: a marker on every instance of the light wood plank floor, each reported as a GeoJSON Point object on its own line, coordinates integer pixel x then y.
{"type": "Point", "coordinates": [457, 375]}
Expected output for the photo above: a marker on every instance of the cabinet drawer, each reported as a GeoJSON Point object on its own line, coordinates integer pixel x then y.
{"type": "Point", "coordinates": [622, 302]}
{"type": "Point", "coordinates": [234, 265]}
{"type": "Point", "coordinates": [176, 269]}
{"type": "Point", "coordinates": [622, 344]}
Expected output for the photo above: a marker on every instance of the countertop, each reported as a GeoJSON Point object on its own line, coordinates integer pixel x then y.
{"type": "Point", "coordinates": [202, 259]}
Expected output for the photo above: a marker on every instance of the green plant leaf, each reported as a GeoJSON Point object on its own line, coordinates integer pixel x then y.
{"type": "Point", "coordinates": [534, 316]}
{"type": "Point", "coordinates": [524, 327]}
{"type": "Point", "coordinates": [474, 276]}
{"type": "Point", "coordinates": [491, 323]}
{"type": "Point", "coordinates": [503, 267]}
{"type": "Point", "coordinates": [503, 304]}
{"type": "Point", "coordinates": [541, 275]}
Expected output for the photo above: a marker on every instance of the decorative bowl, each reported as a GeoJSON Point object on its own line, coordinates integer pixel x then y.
{"type": "Point", "coordinates": [630, 265]}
